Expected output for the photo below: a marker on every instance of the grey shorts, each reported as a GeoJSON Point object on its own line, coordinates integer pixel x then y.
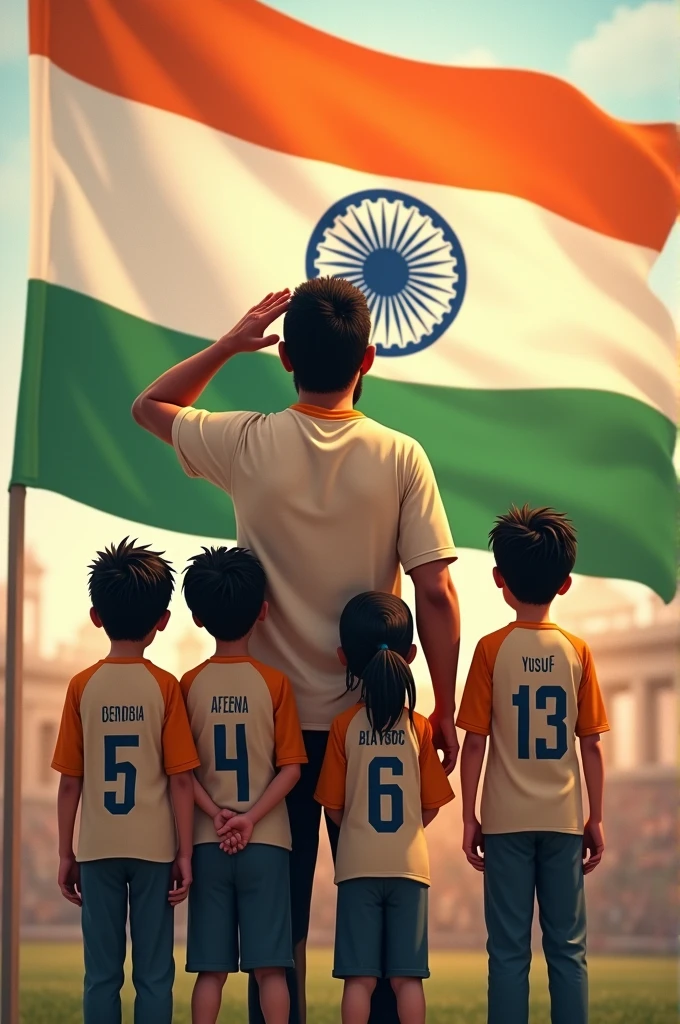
{"type": "Point", "coordinates": [381, 929]}
{"type": "Point", "coordinates": [239, 909]}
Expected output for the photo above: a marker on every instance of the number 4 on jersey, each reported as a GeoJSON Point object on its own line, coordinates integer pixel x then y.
{"type": "Point", "coordinates": [522, 701]}
{"type": "Point", "coordinates": [238, 764]}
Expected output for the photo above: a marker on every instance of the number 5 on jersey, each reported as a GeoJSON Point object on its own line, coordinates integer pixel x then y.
{"type": "Point", "coordinates": [113, 768]}
{"type": "Point", "coordinates": [238, 764]}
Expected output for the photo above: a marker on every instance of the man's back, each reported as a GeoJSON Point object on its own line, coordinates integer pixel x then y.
{"type": "Point", "coordinates": [331, 502]}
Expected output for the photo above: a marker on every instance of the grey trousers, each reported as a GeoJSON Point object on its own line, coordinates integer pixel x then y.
{"type": "Point", "coordinates": [108, 885]}
{"type": "Point", "coordinates": [519, 866]}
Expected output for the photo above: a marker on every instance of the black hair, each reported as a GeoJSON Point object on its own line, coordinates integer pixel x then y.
{"type": "Point", "coordinates": [224, 588]}
{"type": "Point", "coordinates": [535, 550]}
{"type": "Point", "coordinates": [376, 634]}
{"type": "Point", "coordinates": [130, 589]}
{"type": "Point", "coordinates": [326, 329]}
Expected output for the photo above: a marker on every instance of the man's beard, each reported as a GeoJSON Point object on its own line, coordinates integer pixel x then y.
{"type": "Point", "coordinates": [358, 390]}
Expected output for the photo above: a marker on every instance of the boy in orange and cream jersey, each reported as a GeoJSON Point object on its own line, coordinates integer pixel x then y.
{"type": "Point", "coordinates": [382, 783]}
{"type": "Point", "coordinates": [244, 720]}
{"type": "Point", "coordinates": [533, 690]}
{"type": "Point", "coordinates": [126, 747]}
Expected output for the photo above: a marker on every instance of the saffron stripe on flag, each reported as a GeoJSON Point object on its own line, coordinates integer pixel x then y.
{"type": "Point", "coordinates": [519, 133]}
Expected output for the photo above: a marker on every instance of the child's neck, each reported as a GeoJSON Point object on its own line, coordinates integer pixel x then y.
{"type": "Point", "coordinates": [533, 612]}
{"type": "Point", "coordinates": [232, 648]}
{"type": "Point", "coordinates": [127, 648]}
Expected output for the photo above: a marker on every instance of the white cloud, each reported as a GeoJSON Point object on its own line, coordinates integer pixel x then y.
{"type": "Point", "coordinates": [13, 30]}
{"type": "Point", "coordinates": [634, 54]}
{"type": "Point", "coordinates": [477, 57]}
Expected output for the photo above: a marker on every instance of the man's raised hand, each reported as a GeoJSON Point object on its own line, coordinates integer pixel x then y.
{"type": "Point", "coordinates": [248, 334]}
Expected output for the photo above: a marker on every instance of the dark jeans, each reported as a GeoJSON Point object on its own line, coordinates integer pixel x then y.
{"type": "Point", "coordinates": [107, 887]}
{"type": "Point", "coordinates": [305, 822]}
{"type": "Point", "coordinates": [519, 866]}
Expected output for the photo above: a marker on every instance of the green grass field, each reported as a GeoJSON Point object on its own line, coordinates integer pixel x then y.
{"type": "Point", "coordinates": [623, 991]}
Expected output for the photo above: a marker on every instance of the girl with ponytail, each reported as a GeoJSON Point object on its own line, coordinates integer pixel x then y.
{"type": "Point", "coordinates": [382, 783]}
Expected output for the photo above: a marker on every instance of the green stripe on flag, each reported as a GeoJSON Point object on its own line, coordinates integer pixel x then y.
{"type": "Point", "coordinates": [603, 458]}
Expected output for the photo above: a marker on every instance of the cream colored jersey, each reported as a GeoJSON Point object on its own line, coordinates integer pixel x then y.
{"type": "Point", "coordinates": [124, 729]}
{"type": "Point", "coordinates": [245, 724]}
{"type": "Point", "coordinates": [331, 503]}
{"type": "Point", "coordinates": [532, 688]}
{"type": "Point", "coordinates": [382, 784]}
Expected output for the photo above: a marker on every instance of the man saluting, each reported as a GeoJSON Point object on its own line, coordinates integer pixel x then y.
{"type": "Point", "coordinates": [332, 503]}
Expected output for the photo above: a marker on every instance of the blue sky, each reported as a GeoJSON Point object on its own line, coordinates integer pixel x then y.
{"type": "Point", "coordinates": [624, 56]}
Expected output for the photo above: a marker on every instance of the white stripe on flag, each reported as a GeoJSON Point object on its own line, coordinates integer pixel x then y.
{"type": "Point", "coordinates": [179, 224]}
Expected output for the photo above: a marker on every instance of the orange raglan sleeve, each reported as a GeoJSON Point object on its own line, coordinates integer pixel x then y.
{"type": "Point", "coordinates": [592, 717]}
{"type": "Point", "coordinates": [68, 754]}
{"type": "Point", "coordinates": [188, 678]}
{"type": "Point", "coordinates": [330, 789]}
{"type": "Point", "coordinates": [435, 788]}
{"type": "Point", "coordinates": [474, 714]}
{"type": "Point", "coordinates": [179, 749]}
{"type": "Point", "coordinates": [290, 746]}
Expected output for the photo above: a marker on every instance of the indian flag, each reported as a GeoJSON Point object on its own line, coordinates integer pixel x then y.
{"type": "Point", "coordinates": [190, 157]}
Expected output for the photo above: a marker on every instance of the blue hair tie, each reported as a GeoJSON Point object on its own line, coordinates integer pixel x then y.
{"type": "Point", "coordinates": [383, 647]}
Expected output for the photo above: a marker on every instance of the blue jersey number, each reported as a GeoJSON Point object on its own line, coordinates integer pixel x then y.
{"type": "Point", "coordinates": [521, 700]}
{"type": "Point", "coordinates": [113, 768]}
{"type": "Point", "coordinates": [238, 764]}
{"type": "Point", "coordinates": [378, 789]}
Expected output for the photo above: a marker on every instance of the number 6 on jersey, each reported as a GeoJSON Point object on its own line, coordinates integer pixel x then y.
{"type": "Point", "coordinates": [378, 789]}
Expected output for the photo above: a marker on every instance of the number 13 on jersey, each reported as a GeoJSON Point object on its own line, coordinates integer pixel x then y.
{"type": "Point", "coordinates": [544, 696]}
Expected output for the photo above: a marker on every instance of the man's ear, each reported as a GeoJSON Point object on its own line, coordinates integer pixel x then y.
{"type": "Point", "coordinates": [342, 658]}
{"type": "Point", "coordinates": [565, 586]}
{"type": "Point", "coordinates": [498, 579]}
{"type": "Point", "coordinates": [368, 360]}
{"type": "Point", "coordinates": [197, 621]}
{"type": "Point", "coordinates": [413, 650]}
{"type": "Point", "coordinates": [283, 356]}
{"type": "Point", "coordinates": [263, 612]}
{"type": "Point", "coordinates": [94, 618]}
{"type": "Point", "coordinates": [163, 621]}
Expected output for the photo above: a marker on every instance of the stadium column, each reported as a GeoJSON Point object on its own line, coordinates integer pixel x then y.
{"type": "Point", "coordinates": [11, 846]}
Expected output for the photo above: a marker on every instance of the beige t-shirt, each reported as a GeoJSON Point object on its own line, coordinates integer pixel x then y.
{"type": "Point", "coordinates": [331, 503]}
{"type": "Point", "coordinates": [124, 729]}
{"type": "Point", "coordinates": [245, 724]}
{"type": "Point", "coordinates": [382, 784]}
{"type": "Point", "coordinates": [532, 688]}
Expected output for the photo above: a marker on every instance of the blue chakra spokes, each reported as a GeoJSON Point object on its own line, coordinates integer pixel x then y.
{"type": "Point", "coordinates": [403, 256]}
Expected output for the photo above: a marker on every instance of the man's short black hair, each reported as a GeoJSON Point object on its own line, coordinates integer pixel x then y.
{"type": "Point", "coordinates": [535, 550]}
{"type": "Point", "coordinates": [326, 328]}
{"type": "Point", "coordinates": [224, 588]}
{"type": "Point", "coordinates": [130, 589]}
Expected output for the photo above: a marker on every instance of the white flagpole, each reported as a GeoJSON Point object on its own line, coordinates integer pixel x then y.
{"type": "Point", "coordinates": [11, 847]}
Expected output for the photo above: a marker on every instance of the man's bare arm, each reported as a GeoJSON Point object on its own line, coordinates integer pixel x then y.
{"type": "Point", "coordinates": [157, 406]}
{"type": "Point", "coordinates": [438, 621]}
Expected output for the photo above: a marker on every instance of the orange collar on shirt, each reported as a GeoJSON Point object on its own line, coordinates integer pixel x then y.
{"type": "Point", "coordinates": [318, 413]}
